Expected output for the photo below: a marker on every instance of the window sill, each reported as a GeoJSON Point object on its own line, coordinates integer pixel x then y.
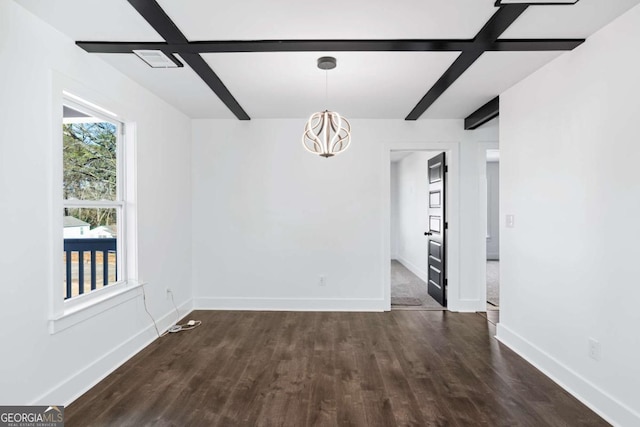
{"type": "Point", "coordinates": [92, 305]}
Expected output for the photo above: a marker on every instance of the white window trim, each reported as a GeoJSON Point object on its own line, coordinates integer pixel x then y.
{"type": "Point", "coordinates": [64, 314]}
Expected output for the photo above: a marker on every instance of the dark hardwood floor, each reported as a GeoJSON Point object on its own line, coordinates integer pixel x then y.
{"type": "Point", "coordinates": [493, 316]}
{"type": "Point", "coordinates": [417, 368]}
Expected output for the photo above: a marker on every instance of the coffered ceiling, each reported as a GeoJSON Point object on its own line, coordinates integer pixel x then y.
{"type": "Point", "coordinates": [472, 52]}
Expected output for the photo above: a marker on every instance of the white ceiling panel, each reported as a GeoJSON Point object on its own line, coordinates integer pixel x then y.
{"type": "Point", "coordinates": [567, 21]}
{"type": "Point", "coordinates": [364, 84]}
{"type": "Point", "coordinates": [180, 87]}
{"type": "Point", "coordinates": [490, 75]}
{"type": "Point", "coordinates": [331, 19]}
{"type": "Point", "coordinates": [89, 20]}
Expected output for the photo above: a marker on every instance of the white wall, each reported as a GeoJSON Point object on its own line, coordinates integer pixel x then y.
{"type": "Point", "coordinates": [413, 208]}
{"type": "Point", "coordinates": [269, 218]}
{"type": "Point", "coordinates": [36, 366]}
{"type": "Point", "coordinates": [394, 210]}
{"type": "Point", "coordinates": [569, 152]}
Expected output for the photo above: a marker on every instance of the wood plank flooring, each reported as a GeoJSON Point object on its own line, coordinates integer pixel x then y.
{"type": "Point", "coordinates": [493, 316]}
{"type": "Point", "coordinates": [400, 368]}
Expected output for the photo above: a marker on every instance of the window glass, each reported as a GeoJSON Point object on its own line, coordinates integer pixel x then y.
{"type": "Point", "coordinates": [93, 205]}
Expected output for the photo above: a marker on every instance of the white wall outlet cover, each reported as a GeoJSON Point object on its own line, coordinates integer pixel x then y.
{"type": "Point", "coordinates": [594, 349]}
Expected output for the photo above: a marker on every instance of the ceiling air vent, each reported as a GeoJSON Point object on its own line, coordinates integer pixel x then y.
{"type": "Point", "coordinates": [157, 59]}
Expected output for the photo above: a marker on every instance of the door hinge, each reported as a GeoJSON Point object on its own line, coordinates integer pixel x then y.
{"type": "Point", "coordinates": [446, 168]}
{"type": "Point", "coordinates": [446, 225]}
{"type": "Point", "coordinates": [446, 283]}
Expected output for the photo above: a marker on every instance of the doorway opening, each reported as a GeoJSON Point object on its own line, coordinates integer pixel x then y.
{"type": "Point", "coordinates": [418, 221]}
{"type": "Point", "coordinates": [493, 232]}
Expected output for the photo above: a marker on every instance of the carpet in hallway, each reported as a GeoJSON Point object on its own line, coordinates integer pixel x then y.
{"type": "Point", "coordinates": [493, 283]}
{"type": "Point", "coordinates": [407, 289]}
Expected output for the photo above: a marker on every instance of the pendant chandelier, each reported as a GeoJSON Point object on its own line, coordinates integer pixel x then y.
{"type": "Point", "coordinates": [326, 133]}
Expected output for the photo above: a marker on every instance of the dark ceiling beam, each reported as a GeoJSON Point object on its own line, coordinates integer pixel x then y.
{"type": "Point", "coordinates": [483, 114]}
{"type": "Point", "coordinates": [160, 21]}
{"type": "Point", "coordinates": [200, 66]}
{"type": "Point", "coordinates": [233, 46]}
{"type": "Point", "coordinates": [486, 40]}
{"type": "Point", "coordinates": [330, 46]}
{"type": "Point", "coordinates": [534, 45]}
{"type": "Point", "coordinates": [400, 45]}
{"type": "Point", "coordinates": [499, 3]}
{"type": "Point", "coordinates": [499, 22]}
{"type": "Point", "coordinates": [459, 66]}
{"type": "Point", "coordinates": [125, 47]}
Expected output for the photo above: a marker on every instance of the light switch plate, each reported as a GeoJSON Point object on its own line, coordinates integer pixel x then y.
{"type": "Point", "coordinates": [511, 220]}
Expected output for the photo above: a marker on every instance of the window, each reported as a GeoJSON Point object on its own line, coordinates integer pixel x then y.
{"type": "Point", "coordinates": [94, 199]}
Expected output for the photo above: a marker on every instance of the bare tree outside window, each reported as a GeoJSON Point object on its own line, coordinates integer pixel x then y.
{"type": "Point", "coordinates": [90, 169]}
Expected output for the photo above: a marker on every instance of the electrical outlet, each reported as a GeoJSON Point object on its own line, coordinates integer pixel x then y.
{"type": "Point", "coordinates": [594, 349]}
{"type": "Point", "coordinates": [323, 280]}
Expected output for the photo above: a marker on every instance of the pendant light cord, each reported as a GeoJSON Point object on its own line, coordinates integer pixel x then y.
{"type": "Point", "coordinates": [326, 89]}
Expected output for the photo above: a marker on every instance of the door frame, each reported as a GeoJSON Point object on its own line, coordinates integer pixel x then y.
{"type": "Point", "coordinates": [452, 150]}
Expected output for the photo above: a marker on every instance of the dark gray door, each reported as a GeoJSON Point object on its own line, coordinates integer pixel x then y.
{"type": "Point", "coordinates": [437, 285]}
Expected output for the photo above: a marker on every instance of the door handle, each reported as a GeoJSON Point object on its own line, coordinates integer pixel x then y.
{"type": "Point", "coordinates": [428, 233]}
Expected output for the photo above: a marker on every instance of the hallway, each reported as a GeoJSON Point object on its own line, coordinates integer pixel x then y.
{"type": "Point", "coordinates": [408, 291]}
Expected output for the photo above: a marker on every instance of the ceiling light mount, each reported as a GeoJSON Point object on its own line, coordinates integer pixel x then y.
{"type": "Point", "coordinates": [327, 63]}
{"type": "Point", "coordinates": [326, 133]}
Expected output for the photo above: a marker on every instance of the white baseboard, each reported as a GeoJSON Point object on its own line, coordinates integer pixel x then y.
{"type": "Point", "coordinates": [78, 384]}
{"type": "Point", "coordinates": [600, 402]}
{"type": "Point", "coordinates": [289, 304]}
{"type": "Point", "coordinates": [422, 274]}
